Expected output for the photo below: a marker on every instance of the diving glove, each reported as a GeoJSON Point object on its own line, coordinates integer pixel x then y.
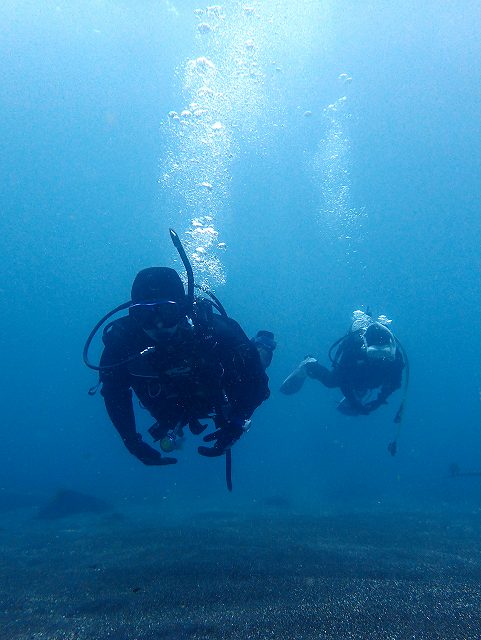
{"type": "Point", "coordinates": [224, 438]}
{"type": "Point", "coordinates": [147, 454]}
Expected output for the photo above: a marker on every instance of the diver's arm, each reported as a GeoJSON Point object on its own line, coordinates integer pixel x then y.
{"type": "Point", "coordinates": [118, 402]}
{"type": "Point", "coordinates": [386, 390]}
{"type": "Point", "coordinates": [354, 403]}
{"type": "Point", "coordinates": [116, 390]}
{"type": "Point", "coordinates": [245, 385]}
{"type": "Point", "coordinates": [393, 383]}
{"type": "Point", "coordinates": [372, 405]}
{"type": "Point", "coordinates": [318, 372]}
{"type": "Point", "coordinates": [244, 381]}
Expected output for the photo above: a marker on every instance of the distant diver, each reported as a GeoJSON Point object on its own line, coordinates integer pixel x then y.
{"type": "Point", "coordinates": [185, 360]}
{"type": "Point", "coordinates": [455, 472]}
{"type": "Point", "coordinates": [367, 367]}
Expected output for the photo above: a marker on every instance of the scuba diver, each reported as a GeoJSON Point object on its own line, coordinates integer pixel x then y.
{"type": "Point", "coordinates": [185, 360]}
{"type": "Point", "coordinates": [367, 367]}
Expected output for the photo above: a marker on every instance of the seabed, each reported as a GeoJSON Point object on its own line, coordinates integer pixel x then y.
{"type": "Point", "coordinates": [270, 573]}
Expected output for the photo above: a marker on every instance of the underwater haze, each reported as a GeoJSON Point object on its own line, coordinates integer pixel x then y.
{"type": "Point", "coordinates": [315, 158]}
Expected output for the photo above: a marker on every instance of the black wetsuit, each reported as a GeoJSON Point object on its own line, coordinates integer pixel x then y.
{"type": "Point", "coordinates": [208, 369]}
{"type": "Point", "coordinates": [356, 374]}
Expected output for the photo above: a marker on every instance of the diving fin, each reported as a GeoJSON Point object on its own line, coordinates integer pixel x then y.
{"type": "Point", "coordinates": [293, 383]}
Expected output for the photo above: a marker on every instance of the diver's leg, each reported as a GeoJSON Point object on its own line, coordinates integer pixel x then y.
{"type": "Point", "coordinates": [318, 372]}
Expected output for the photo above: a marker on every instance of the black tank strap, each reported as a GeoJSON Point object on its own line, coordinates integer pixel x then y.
{"type": "Point", "coordinates": [339, 344]}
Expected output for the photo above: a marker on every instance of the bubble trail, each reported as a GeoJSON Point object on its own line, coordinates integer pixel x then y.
{"type": "Point", "coordinates": [332, 169]}
{"type": "Point", "coordinates": [222, 93]}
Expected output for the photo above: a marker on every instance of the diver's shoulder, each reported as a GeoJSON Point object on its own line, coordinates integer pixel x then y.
{"type": "Point", "coordinates": [224, 329]}
{"type": "Point", "coordinates": [229, 328]}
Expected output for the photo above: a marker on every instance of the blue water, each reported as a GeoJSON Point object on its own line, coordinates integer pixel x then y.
{"type": "Point", "coordinates": [372, 201]}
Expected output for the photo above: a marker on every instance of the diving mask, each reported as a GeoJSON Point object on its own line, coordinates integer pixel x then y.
{"type": "Point", "coordinates": [151, 315]}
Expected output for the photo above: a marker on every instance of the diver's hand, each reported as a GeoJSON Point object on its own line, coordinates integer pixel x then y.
{"type": "Point", "coordinates": [147, 454]}
{"type": "Point", "coordinates": [373, 405]}
{"type": "Point", "coordinates": [350, 408]}
{"type": "Point", "coordinates": [224, 438]}
{"type": "Point", "coordinates": [366, 409]}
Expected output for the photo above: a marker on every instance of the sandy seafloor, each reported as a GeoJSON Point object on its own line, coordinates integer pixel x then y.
{"type": "Point", "coordinates": [269, 572]}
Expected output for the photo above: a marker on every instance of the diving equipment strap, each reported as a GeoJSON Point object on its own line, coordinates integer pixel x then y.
{"type": "Point", "coordinates": [85, 353]}
{"type": "Point", "coordinates": [188, 267]}
{"type": "Point", "coordinates": [228, 469]}
{"type": "Point", "coordinates": [392, 446]}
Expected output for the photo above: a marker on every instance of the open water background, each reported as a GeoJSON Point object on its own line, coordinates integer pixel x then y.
{"type": "Point", "coordinates": [340, 144]}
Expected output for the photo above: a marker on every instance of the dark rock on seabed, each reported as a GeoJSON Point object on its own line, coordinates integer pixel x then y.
{"type": "Point", "coordinates": [68, 502]}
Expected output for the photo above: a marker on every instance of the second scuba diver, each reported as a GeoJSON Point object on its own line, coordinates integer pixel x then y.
{"type": "Point", "coordinates": [367, 367]}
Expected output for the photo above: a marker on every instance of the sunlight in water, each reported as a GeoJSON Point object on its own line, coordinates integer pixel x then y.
{"type": "Point", "coordinates": [230, 99]}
